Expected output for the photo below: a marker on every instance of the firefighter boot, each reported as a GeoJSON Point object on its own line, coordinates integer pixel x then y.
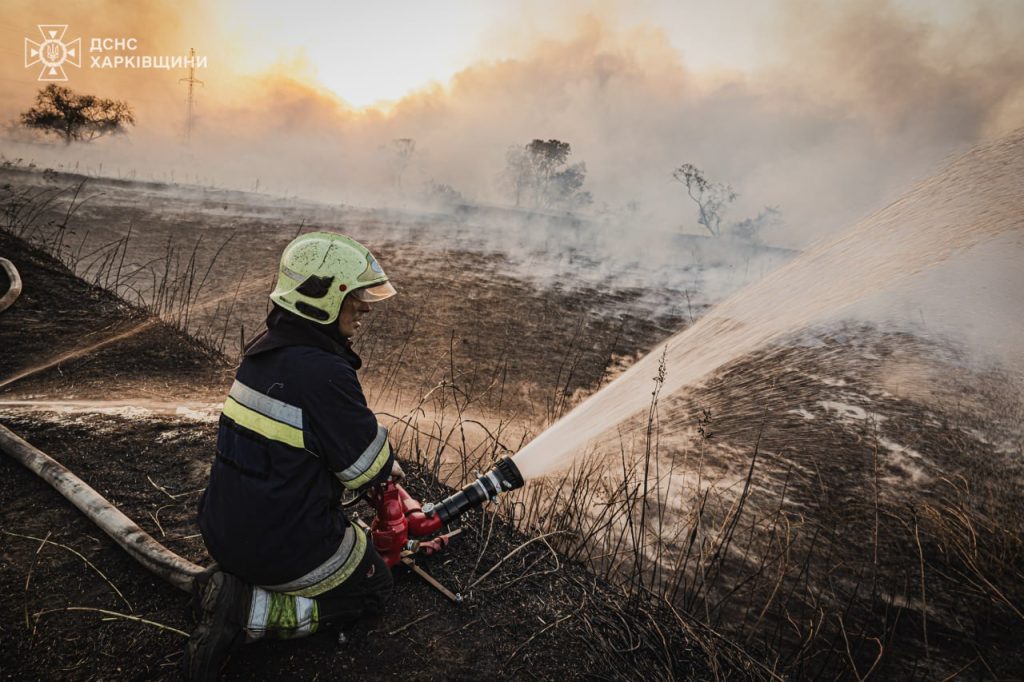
{"type": "Point", "coordinates": [225, 604]}
{"type": "Point", "coordinates": [199, 585]}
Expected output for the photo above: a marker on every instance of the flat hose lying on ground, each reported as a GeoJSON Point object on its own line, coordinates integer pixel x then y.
{"type": "Point", "coordinates": [14, 290]}
{"type": "Point", "coordinates": [125, 532]}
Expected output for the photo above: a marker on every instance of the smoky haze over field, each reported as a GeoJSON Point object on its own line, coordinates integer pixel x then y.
{"type": "Point", "coordinates": [876, 466]}
{"type": "Point", "coordinates": [851, 104]}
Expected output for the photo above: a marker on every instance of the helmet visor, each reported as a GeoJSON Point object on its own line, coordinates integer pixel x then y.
{"type": "Point", "coordinates": [375, 293]}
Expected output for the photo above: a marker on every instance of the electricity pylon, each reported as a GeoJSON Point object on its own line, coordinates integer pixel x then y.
{"type": "Point", "coordinates": [191, 80]}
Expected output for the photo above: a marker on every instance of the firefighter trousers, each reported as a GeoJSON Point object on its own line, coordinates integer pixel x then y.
{"type": "Point", "coordinates": [281, 615]}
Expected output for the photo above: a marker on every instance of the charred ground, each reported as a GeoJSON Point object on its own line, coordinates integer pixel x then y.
{"type": "Point", "coordinates": [463, 308]}
{"type": "Point", "coordinates": [849, 502]}
{"type": "Point", "coordinates": [537, 615]}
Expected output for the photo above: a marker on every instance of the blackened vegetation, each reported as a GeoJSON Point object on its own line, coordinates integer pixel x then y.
{"type": "Point", "coordinates": [830, 520]}
{"type": "Point", "coordinates": [851, 516]}
{"type": "Point", "coordinates": [58, 313]}
{"type": "Point", "coordinates": [529, 613]}
{"type": "Point", "coordinates": [75, 606]}
{"type": "Point", "coordinates": [167, 283]}
{"type": "Point", "coordinates": [181, 262]}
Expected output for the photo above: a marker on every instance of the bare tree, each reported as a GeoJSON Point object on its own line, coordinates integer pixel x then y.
{"type": "Point", "coordinates": [710, 197]}
{"type": "Point", "coordinates": [77, 118]}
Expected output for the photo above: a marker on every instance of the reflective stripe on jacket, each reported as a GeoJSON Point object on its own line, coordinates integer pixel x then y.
{"type": "Point", "coordinates": [295, 430]}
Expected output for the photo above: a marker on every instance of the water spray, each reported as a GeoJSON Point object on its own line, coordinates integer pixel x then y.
{"type": "Point", "coordinates": [976, 199]}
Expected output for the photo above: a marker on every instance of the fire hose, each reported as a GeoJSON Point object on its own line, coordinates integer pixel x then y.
{"type": "Point", "coordinates": [139, 544]}
{"type": "Point", "coordinates": [398, 524]}
{"type": "Point", "coordinates": [14, 289]}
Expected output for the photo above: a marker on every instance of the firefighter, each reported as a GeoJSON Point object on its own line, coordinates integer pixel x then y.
{"type": "Point", "coordinates": [295, 433]}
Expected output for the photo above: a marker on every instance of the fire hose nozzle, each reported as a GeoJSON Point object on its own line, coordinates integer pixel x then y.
{"type": "Point", "coordinates": [505, 476]}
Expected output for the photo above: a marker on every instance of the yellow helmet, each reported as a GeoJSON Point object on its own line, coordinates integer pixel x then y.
{"type": "Point", "coordinates": [318, 270]}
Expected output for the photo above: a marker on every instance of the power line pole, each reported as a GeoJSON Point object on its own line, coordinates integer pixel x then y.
{"type": "Point", "coordinates": [191, 80]}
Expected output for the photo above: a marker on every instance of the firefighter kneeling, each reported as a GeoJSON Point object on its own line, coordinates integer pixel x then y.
{"type": "Point", "coordinates": [294, 434]}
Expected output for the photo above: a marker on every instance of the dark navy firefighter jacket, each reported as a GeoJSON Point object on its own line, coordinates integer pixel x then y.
{"type": "Point", "coordinates": [295, 431]}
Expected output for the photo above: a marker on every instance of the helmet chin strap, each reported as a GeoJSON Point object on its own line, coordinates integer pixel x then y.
{"type": "Point", "coordinates": [279, 316]}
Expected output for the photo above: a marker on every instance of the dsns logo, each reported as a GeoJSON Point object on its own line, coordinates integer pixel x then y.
{"type": "Point", "coordinates": [53, 52]}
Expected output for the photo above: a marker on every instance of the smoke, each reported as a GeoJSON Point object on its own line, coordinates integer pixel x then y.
{"type": "Point", "coordinates": [852, 103]}
{"type": "Point", "coordinates": [972, 301]}
{"type": "Point", "coordinates": [161, 28]}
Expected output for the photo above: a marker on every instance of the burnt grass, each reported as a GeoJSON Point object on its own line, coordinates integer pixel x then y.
{"type": "Point", "coordinates": [537, 616]}
{"type": "Point", "coordinates": [880, 526]}
{"type": "Point", "coordinates": [58, 313]}
{"type": "Point", "coordinates": [458, 308]}
{"type": "Point", "coordinates": [883, 544]}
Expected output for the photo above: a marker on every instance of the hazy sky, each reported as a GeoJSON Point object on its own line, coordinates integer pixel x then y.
{"type": "Point", "coordinates": [366, 52]}
{"type": "Point", "coordinates": [826, 110]}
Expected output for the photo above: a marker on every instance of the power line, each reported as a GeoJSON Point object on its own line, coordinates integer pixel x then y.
{"type": "Point", "coordinates": [191, 80]}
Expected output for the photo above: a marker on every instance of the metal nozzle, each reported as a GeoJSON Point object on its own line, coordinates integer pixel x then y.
{"type": "Point", "coordinates": [503, 477]}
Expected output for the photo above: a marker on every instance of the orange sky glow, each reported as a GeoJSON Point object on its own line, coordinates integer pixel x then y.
{"type": "Point", "coordinates": [822, 108]}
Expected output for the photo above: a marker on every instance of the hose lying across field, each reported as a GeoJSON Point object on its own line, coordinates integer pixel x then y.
{"type": "Point", "coordinates": [14, 290]}
{"type": "Point", "coordinates": [125, 532]}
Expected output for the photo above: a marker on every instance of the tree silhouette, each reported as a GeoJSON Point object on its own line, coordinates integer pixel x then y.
{"type": "Point", "coordinates": [539, 173]}
{"type": "Point", "coordinates": [710, 197]}
{"type": "Point", "coordinates": [403, 149]}
{"type": "Point", "coordinates": [77, 118]}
